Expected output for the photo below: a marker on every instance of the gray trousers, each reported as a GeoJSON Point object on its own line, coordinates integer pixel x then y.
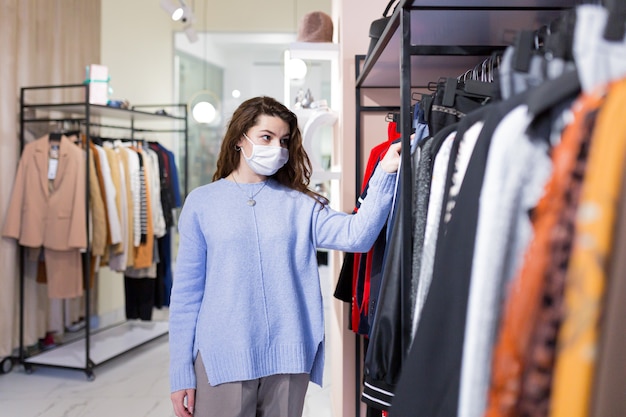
{"type": "Point", "coordinates": [271, 396]}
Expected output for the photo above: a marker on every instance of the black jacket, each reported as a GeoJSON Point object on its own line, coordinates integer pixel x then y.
{"type": "Point", "coordinates": [390, 333]}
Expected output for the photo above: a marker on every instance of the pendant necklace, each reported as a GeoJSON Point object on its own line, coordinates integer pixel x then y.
{"type": "Point", "coordinates": [251, 201]}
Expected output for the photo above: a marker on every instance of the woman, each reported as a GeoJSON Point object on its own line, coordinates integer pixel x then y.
{"type": "Point", "coordinates": [246, 314]}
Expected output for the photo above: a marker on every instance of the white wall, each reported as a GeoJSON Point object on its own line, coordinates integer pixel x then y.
{"type": "Point", "coordinates": [137, 47]}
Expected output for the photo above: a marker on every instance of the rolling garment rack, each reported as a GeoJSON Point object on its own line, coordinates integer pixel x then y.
{"type": "Point", "coordinates": [100, 345]}
{"type": "Point", "coordinates": [426, 40]}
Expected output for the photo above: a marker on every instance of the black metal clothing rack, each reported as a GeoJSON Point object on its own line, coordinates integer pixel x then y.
{"type": "Point", "coordinates": [423, 41]}
{"type": "Point", "coordinates": [126, 335]}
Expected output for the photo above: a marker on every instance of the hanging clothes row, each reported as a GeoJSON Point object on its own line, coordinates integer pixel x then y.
{"type": "Point", "coordinates": [145, 190]}
{"type": "Point", "coordinates": [132, 192]}
{"type": "Point", "coordinates": [516, 194]}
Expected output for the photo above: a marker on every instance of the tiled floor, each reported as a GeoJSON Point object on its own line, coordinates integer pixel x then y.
{"type": "Point", "coordinates": [134, 384]}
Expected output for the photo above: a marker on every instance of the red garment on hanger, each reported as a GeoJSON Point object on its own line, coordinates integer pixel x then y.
{"type": "Point", "coordinates": [360, 309]}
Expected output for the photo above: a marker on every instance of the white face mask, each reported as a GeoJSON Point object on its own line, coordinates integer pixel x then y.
{"type": "Point", "coordinates": [265, 159]}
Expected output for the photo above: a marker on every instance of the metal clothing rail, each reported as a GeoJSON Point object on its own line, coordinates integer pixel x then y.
{"type": "Point", "coordinates": [104, 344]}
{"type": "Point", "coordinates": [406, 53]}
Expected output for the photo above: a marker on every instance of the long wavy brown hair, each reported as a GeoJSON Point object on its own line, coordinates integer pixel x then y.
{"type": "Point", "coordinates": [296, 173]}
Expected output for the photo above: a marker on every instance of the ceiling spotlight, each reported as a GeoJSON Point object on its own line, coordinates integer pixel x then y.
{"type": "Point", "coordinates": [172, 8]}
{"type": "Point", "coordinates": [177, 14]}
{"type": "Point", "coordinates": [178, 10]}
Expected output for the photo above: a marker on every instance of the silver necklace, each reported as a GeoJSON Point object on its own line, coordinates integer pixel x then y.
{"type": "Point", "coordinates": [251, 201]}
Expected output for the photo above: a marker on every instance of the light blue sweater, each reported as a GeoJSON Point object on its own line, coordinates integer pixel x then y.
{"type": "Point", "coordinates": [246, 291]}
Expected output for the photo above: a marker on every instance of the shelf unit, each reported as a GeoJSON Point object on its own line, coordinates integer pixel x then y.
{"type": "Point", "coordinates": [104, 344]}
{"type": "Point", "coordinates": [423, 41]}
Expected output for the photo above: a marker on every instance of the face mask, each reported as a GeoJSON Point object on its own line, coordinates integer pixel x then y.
{"type": "Point", "coordinates": [266, 160]}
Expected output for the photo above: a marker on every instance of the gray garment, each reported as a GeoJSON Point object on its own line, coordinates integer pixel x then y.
{"type": "Point", "coordinates": [271, 396]}
{"type": "Point", "coordinates": [435, 202]}
{"type": "Point", "coordinates": [421, 194]}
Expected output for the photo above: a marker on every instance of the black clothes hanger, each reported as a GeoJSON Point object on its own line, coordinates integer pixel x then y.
{"type": "Point", "coordinates": [482, 89]}
{"type": "Point", "coordinates": [450, 103]}
{"type": "Point", "coordinates": [474, 89]}
{"type": "Point", "coordinates": [55, 136]}
{"type": "Point", "coordinates": [477, 84]}
{"type": "Point", "coordinates": [524, 48]}
{"type": "Point", "coordinates": [615, 28]}
{"type": "Point", "coordinates": [552, 40]}
{"type": "Point", "coordinates": [426, 103]}
{"type": "Point", "coordinates": [394, 116]}
{"type": "Point", "coordinates": [552, 92]}
{"type": "Point", "coordinates": [65, 127]}
{"type": "Point", "coordinates": [559, 42]}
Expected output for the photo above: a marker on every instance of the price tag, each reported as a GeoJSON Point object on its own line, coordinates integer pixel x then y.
{"type": "Point", "coordinates": [52, 168]}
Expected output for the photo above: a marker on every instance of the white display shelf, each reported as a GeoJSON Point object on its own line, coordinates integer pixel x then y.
{"type": "Point", "coordinates": [104, 345]}
{"type": "Point", "coordinates": [318, 51]}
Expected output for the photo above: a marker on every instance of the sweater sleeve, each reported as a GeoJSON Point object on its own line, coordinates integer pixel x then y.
{"type": "Point", "coordinates": [186, 297]}
{"type": "Point", "coordinates": [357, 232]}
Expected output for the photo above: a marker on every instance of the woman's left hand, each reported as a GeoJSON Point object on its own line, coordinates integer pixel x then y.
{"type": "Point", "coordinates": [391, 160]}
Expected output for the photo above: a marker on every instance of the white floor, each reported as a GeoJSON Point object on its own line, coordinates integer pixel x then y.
{"type": "Point", "coordinates": [133, 384]}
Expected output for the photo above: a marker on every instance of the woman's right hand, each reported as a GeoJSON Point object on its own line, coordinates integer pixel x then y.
{"type": "Point", "coordinates": [178, 401]}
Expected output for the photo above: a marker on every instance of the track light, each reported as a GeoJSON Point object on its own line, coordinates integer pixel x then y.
{"type": "Point", "coordinates": [178, 14]}
{"type": "Point", "coordinates": [172, 9]}
{"type": "Point", "coordinates": [178, 10]}
{"type": "Point", "coordinates": [191, 33]}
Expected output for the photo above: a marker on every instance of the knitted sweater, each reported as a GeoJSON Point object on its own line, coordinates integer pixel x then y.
{"type": "Point", "coordinates": [246, 291]}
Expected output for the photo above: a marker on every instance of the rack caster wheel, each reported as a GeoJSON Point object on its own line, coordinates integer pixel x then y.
{"type": "Point", "coordinates": [6, 365]}
{"type": "Point", "coordinates": [28, 369]}
{"type": "Point", "coordinates": [90, 376]}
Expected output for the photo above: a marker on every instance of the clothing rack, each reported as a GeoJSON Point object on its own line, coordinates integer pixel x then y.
{"type": "Point", "coordinates": [104, 344]}
{"type": "Point", "coordinates": [474, 31]}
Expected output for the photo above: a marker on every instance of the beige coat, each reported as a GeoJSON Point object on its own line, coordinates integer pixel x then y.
{"type": "Point", "coordinates": [35, 216]}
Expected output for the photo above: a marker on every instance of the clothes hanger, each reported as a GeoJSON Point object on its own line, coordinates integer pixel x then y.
{"type": "Point", "coordinates": [423, 102]}
{"type": "Point", "coordinates": [61, 130]}
{"type": "Point", "coordinates": [553, 92]}
{"type": "Point", "coordinates": [524, 47]}
{"type": "Point", "coordinates": [615, 28]}
{"type": "Point", "coordinates": [560, 42]}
